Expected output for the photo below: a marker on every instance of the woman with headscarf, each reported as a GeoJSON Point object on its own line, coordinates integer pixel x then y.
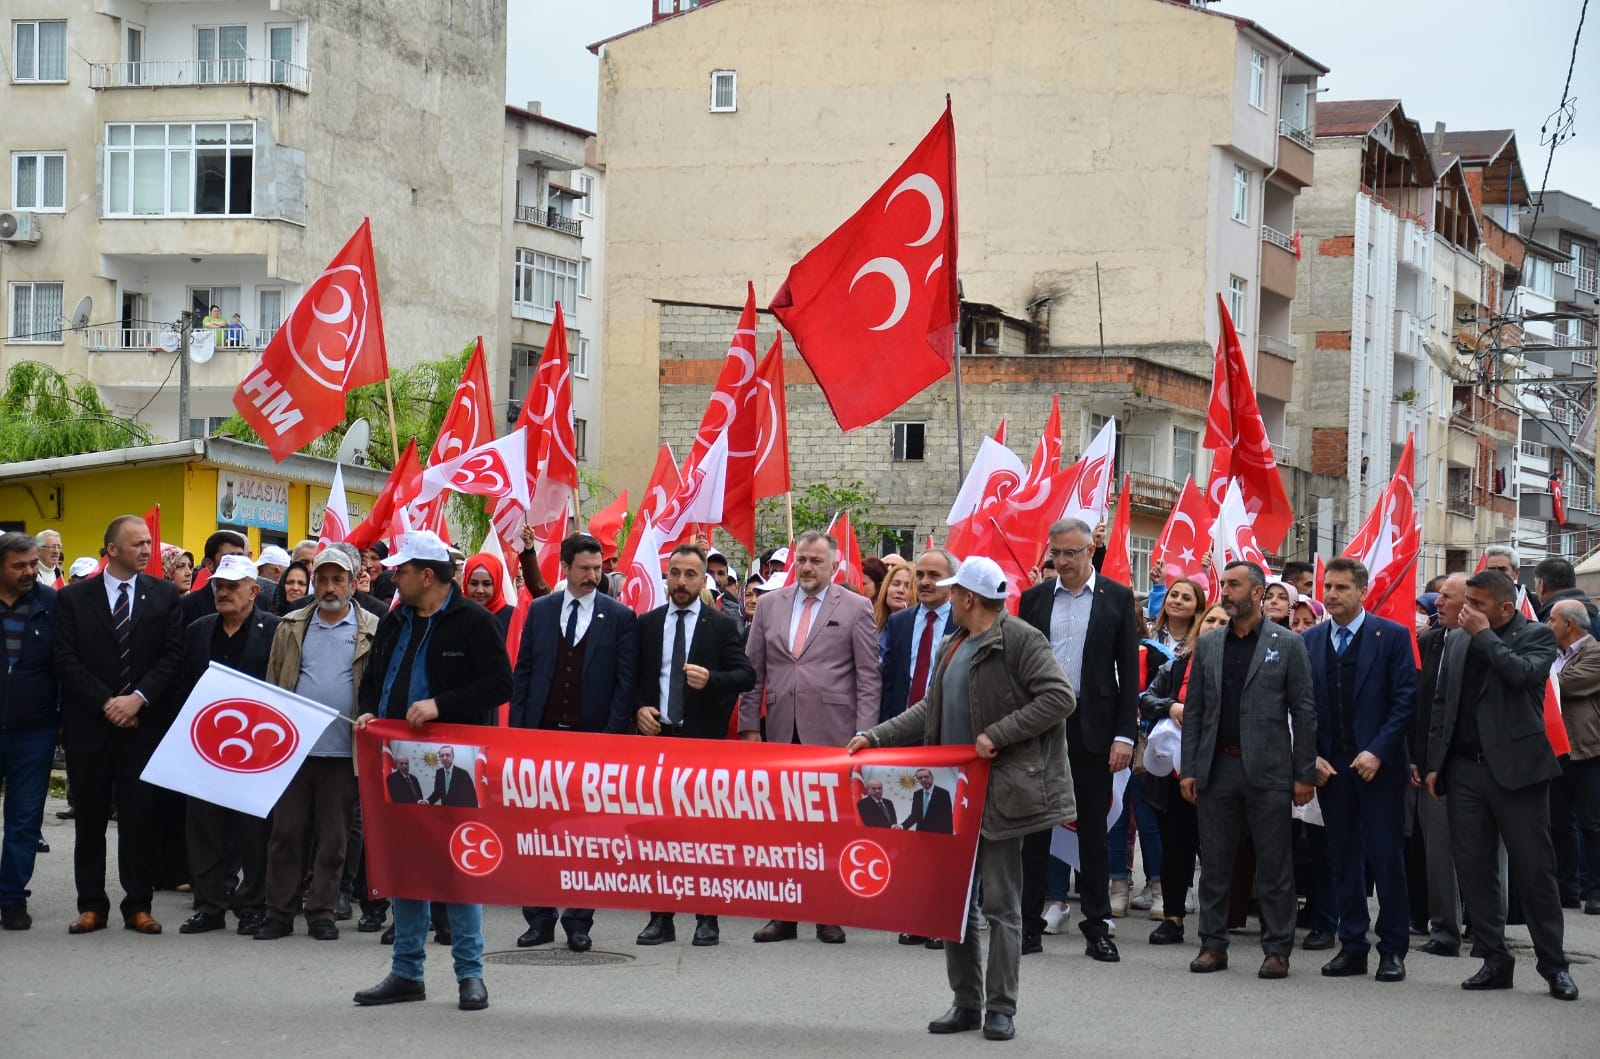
{"type": "Point", "coordinates": [177, 566]}
{"type": "Point", "coordinates": [485, 585]}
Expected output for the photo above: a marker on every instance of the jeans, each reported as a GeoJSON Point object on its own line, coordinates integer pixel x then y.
{"type": "Point", "coordinates": [1149, 831]}
{"type": "Point", "coordinates": [25, 756]}
{"type": "Point", "coordinates": [411, 922]}
{"type": "Point", "coordinates": [1057, 880]}
{"type": "Point", "coordinates": [992, 986]}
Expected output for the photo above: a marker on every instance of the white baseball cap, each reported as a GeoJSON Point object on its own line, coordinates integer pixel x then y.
{"type": "Point", "coordinates": [82, 567]}
{"type": "Point", "coordinates": [779, 555]}
{"type": "Point", "coordinates": [234, 567]}
{"type": "Point", "coordinates": [980, 575]}
{"type": "Point", "coordinates": [423, 545]}
{"type": "Point", "coordinates": [1162, 747]}
{"type": "Point", "coordinates": [775, 582]}
{"type": "Point", "coordinates": [272, 555]}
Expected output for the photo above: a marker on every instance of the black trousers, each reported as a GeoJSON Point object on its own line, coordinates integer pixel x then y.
{"type": "Point", "coordinates": [213, 833]}
{"type": "Point", "coordinates": [99, 779]}
{"type": "Point", "coordinates": [1180, 841]}
{"type": "Point", "coordinates": [1091, 786]}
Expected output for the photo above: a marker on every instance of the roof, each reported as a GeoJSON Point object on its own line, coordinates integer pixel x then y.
{"type": "Point", "coordinates": [1478, 147]}
{"type": "Point", "coordinates": [1352, 117]}
{"type": "Point", "coordinates": [224, 452]}
{"type": "Point", "coordinates": [1495, 152]}
{"type": "Point", "coordinates": [532, 115]}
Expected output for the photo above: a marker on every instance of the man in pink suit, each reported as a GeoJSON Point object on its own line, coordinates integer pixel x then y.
{"type": "Point", "coordinates": [814, 646]}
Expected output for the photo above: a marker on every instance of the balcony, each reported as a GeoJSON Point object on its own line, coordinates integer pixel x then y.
{"type": "Point", "coordinates": [1151, 491]}
{"type": "Point", "coordinates": [1416, 246]}
{"type": "Point", "coordinates": [1283, 447]}
{"type": "Point", "coordinates": [1460, 504]}
{"type": "Point", "coordinates": [147, 339]}
{"type": "Point", "coordinates": [1586, 280]}
{"type": "Point", "coordinates": [1409, 331]}
{"type": "Point", "coordinates": [1277, 262]}
{"type": "Point", "coordinates": [1296, 154]}
{"type": "Point", "coordinates": [1278, 347]}
{"type": "Point", "coordinates": [549, 217]}
{"type": "Point", "coordinates": [168, 73]}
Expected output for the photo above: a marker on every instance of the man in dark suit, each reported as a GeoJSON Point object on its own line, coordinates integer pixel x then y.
{"type": "Point", "coordinates": [452, 785]}
{"type": "Point", "coordinates": [1487, 748]}
{"type": "Point", "coordinates": [1093, 629]}
{"type": "Point", "coordinates": [1249, 754]}
{"type": "Point", "coordinates": [1365, 679]}
{"type": "Point", "coordinates": [119, 647]}
{"type": "Point", "coordinates": [1432, 822]}
{"type": "Point", "coordinates": [874, 809]}
{"type": "Point", "coordinates": [240, 637]}
{"type": "Point", "coordinates": [404, 788]}
{"type": "Point", "coordinates": [931, 812]}
{"type": "Point", "coordinates": [575, 673]}
{"type": "Point", "coordinates": [692, 669]}
{"type": "Point", "coordinates": [914, 634]}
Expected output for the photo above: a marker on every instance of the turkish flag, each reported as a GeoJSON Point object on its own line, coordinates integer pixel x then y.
{"type": "Point", "coordinates": [152, 521]}
{"type": "Point", "coordinates": [551, 462]}
{"type": "Point", "coordinates": [771, 475]}
{"type": "Point", "coordinates": [1233, 424]}
{"type": "Point", "coordinates": [1319, 571]}
{"type": "Point", "coordinates": [1558, 499]}
{"type": "Point", "coordinates": [1232, 534]}
{"type": "Point", "coordinates": [405, 481]}
{"type": "Point", "coordinates": [1184, 538]}
{"type": "Point", "coordinates": [607, 523]}
{"type": "Point", "coordinates": [331, 344]}
{"type": "Point", "coordinates": [495, 470]}
{"type": "Point", "coordinates": [849, 570]}
{"type": "Point", "coordinates": [1118, 563]}
{"type": "Point", "coordinates": [872, 307]}
{"type": "Point", "coordinates": [469, 422]}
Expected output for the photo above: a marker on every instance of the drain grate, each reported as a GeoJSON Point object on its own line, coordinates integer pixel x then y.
{"type": "Point", "coordinates": [556, 958]}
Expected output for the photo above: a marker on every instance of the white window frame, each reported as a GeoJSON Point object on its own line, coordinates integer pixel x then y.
{"type": "Point", "coordinates": [219, 68]}
{"type": "Point", "coordinates": [584, 266]}
{"type": "Point", "coordinates": [33, 334]}
{"type": "Point", "coordinates": [1241, 194]}
{"type": "Point", "coordinates": [261, 315]}
{"type": "Point", "coordinates": [1191, 449]}
{"type": "Point", "coordinates": [17, 52]}
{"type": "Point", "coordinates": [273, 74]}
{"type": "Point", "coordinates": [732, 78]}
{"type": "Point", "coordinates": [899, 433]}
{"type": "Point", "coordinates": [133, 59]}
{"type": "Point", "coordinates": [580, 439]}
{"type": "Point", "coordinates": [1138, 453]}
{"type": "Point", "coordinates": [174, 154]}
{"type": "Point", "coordinates": [1258, 80]}
{"type": "Point", "coordinates": [580, 358]}
{"type": "Point", "coordinates": [539, 281]}
{"type": "Point", "coordinates": [1238, 300]}
{"type": "Point", "coordinates": [1140, 550]}
{"type": "Point", "coordinates": [586, 185]}
{"type": "Point", "coordinates": [39, 188]}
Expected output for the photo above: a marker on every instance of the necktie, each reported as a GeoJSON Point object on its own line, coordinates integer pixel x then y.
{"type": "Point", "coordinates": [447, 782]}
{"type": "Point", "coordinates": [119, 621]}
{"type": "Point", "coordinates": [572, 625]}
{"type": "Point", "coordinates": [806, 607]}
{"type": "Point", "coordinates": [919, 675]}
{"type": "Point", "coordinates": [675, 679]}
{"type": "Point", "coordinates": [1341, 641]}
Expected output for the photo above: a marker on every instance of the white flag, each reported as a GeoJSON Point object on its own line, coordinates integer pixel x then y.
{"type": "Point", "coordinates": [336, 516]}
{"type": "Point", "coordinates": [1091, 487]}
{"type": "Point", "coordinates": [1233, 534]}
{"type": "Point", "coordinates": [237, 742]}
{"type": "Point", "coordinates": [996, 473]}
{"type": "Point", "coordinates": [641, 587]}
{"type": "Point", "coordinates": [700, 493]}
{"type": "Point", "coordinates": [497, 470]}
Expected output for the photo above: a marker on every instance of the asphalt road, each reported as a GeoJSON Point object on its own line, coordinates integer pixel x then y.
{"type": "Point", "coordinates": [219, 993]}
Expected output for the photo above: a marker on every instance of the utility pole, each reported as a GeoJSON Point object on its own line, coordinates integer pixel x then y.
{"type": "Point", "coordinates": [185, 330]}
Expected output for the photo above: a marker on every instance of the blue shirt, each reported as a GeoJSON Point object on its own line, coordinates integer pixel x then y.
{"type": "Point", "coordinates": [1069, 627]}
{"type": "Point", "coordinates": [327, 675]}
{"type": "Point", "coordinates": [1353, 628]}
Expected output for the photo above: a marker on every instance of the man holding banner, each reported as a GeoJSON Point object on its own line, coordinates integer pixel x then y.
{"type": "Point", "coordinates": [997, 685]}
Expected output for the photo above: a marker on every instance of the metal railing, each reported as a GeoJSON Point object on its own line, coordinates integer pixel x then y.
{"type": "Point", "coordinates": [1536, 450]}
{"type": "Point", "coordinates": [1586, 279]}
{"type": "Point", "coordinates": [1297, 134]}
{"type": "Point", "coordinates": [1460, 504]}
{"type": "Point", "coordinates": [1152, 487]}
{"type": "Point", "coordinates": [146, 339]}
{"type": "Point", "coordinates": [549, 217]}
{"type": "Point", "coordinates": [1271, 235]}
{"type": "Point", "coordinates": [162, 73]}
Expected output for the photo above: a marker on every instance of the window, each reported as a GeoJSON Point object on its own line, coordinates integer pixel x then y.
{"type": "Point", "coordinates": [40, 52]}
{"type": "Point", "coordinates": [269, 310]}
{"type": "Point", "coordinates": [1236, 291]}
{"type": "Point", "coordinates": [909, 439]}
{"type": "Point", "coordinates": [580, 359]}
{"type": "Point", "coordinates": [36, 312]}
{"type": "Point", "coordinates": [664, 7]}
{"type": "Point", "coordinates": [1258, 80]}
{"type": "Point", "coordinates": [205, 428]}
{"type": "Point", "coordinates": [201, 299]}
{"type": "Point", "coordinates": [180, 170]}
{"type": "Point", "coordinates": [583, 277]}
{"type": "Point", "coordinates": [580, 439]}
{"type": "Point", "coordinates": [1184, 445]}
{"type": "Point", "coordinates": [221, 53]}
{"type": "Point", "coordinates": [898, 540]}
{"type": "Point", "coordinates": [1139, 551]}
{"type": "Point", "coordinates": [280, 53]}
{"type": "Point", "coordinates": [1540, 276]}
{"type": "Point", "coordinates": [724, 91]}
{"type": "Point", "coordinates": [133, 56]}
{"type": "Point", "coordinates": [540, 281]}
{"type": "Point", "coordinates": [39, 180]}
{"type": "Point", "coordinates": [1138, 453]}
{"type": "Point", "coordinates": [1241, 195]}
{"type": "Point", "coordinates": [586, 203]}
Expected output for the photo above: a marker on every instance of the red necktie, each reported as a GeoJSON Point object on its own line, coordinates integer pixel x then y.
{"type": "Point", "coordinates": [919, 675]}
{"type": "Point", "coordinates": [800, 633]}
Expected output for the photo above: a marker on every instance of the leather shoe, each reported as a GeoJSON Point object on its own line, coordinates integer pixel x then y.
{"type": "Point", "coordinates": [912, 939]}
{"type": "Point", "coordinates": [1170, 932]}
{"type": "Point", "coordinates": [998, 1027]}
{"type": "Point", "coordinates": [1276, 965]}
{"type": "Point", "coordinates": [1439, 948]}
{"type": "Point", "coordinates": [1318, 940]}
{"type": "Point", "coordinates": [956, 1020]}
{"type": "Point", "coordinates": [369, 923]}
{"type": "Point", "coordinates": [1208, 961]}
{"type": "Point", "coordinates": [248, 922]}
{"type": "Point", "coordinates": [1591, 907]}
{"type": "Point", "coordinates": [1102, 949]}
{"type": "Point", "coordinates": [579, 942]}
{"type": "Point", "coordinates": [706, 931]}
{"type": "Point", "coordinates": [829, 934]}
{"type": "Point", "coordinates": [1562, 987]}
{"type": "Point", "coordinates": [474, 997]}
{"type": "Point", "coordinates": [933, 943]}
{"type": "Point", "coordinates": [442, 937]}
{"type": "Point", "coordinates": [142, 923]}
{"type": "Point", "coordinates": [1391, 968]}
{"type": "Point", "coordinates": [273, 929]}
{"type": "Point", "coordinates": [342, 909]}
{"type": "Point", "coordinates": [15, 917]}
{"type": "Point", "coordinates": [323, 930]}
{"type": "Point", "coordinates": [392, 990]}
{"type": "Point", "coordinates": [387, 937]}
{"type": "Point", "coordinates": [777, 930]}
{"type": "Point", "coordinates": [1032, 943]}
{"type": "Point", "coordinates": [1491, 976]}
{"type": "Point", "coordinates": [536, 936]}
{"type": "Point", "coordinates": [1345, 965]}
{"type": "Point", "coordinates": [203, 922]}
{"type": "Point", "coordinates": [657, 931]}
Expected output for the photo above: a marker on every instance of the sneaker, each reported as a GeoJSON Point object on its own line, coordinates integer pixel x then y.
{"type": "Point", "coordinates": [1119, 898]}
{"type": "Point", "coordinates": [1191, 901]}
{"type": "Point", "coordinates": [1111, 928]}
{"type": "Point", "coordinates": [1157, 901]}
{"type": "Point", "coordinates": [1141, 901]}
{"type": "Point", "coordinates": [1055, 915]}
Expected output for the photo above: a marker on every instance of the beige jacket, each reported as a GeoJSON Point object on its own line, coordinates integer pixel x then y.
{"type": "Point", "coordinates": [1580, 699]}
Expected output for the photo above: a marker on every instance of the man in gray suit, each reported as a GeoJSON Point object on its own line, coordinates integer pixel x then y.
{"type": "Point", "coordinates": [1487, 747]}
{"type": "Point", "coordinates": [1249, 751]}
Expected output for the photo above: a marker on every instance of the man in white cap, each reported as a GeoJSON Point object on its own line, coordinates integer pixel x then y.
{"type": "Point", "coordinates": [82, 567]}
{"type": "Point", "coordinates": [270, 567]}
{"type": "Point", "coordinates": [320, 652]}
{"type": "Point", "coordinates": [997, 686]}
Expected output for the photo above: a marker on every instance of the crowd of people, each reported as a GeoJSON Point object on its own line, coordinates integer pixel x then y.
{"type": "Point", "coordinates": [1302, 750]}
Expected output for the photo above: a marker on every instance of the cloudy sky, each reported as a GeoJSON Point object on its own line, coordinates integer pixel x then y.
{"type": "Point", "coordinates": [1480, 64]}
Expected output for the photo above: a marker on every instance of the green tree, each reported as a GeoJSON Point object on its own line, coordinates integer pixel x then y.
{"type": "Point", "coordinates": [814, 508]}
{"type": "Point", "coordinates": [45, 413]}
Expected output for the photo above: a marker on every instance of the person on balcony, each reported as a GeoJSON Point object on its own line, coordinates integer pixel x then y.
{"type": "Point", "coordinates": [213, 320]}
{"type": "Point", "coordinates": [235, 332]}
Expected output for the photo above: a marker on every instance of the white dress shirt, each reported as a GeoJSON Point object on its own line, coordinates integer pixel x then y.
{"type": "Point", "coordinates": [113, 586]}
{"type": "Point", "coordinates": [669, 637]}
{"type": "Point", "coordinates": [585, 613]}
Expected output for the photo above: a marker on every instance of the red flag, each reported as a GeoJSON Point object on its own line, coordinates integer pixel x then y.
{"type": "Point", "coordinates": [1233, 424]}
{"type": "Point", "coordinates": [404, 483]}
{"type": "Point", "coordinates": [152, 521]}
{"type": "Point", "coordinates": [1000, 431]}
{"type": "Point", "coordinates": [994, 476]}
{"type": "Point", "coordinates": [551, 467]}
{"type": "Point", "coordinates": [849, 571]}
{"type": "Point", "coordinates": [607, 523]}
{"type": "Point", "coordinates": [736, 407]}
{"type": "Point", "coordinates": [331, 344]}
{"type": "Point", "coordinates": [771, 475]}
{"type": "Point", "coordinates": [470, 421]}
{"type": "Point", "coordinates": [336, 515]}
{"type": "Point", "coordinates": [929, 546]}
{"type": "Point", "coordinates": [872, 307]}
{"type": "Point", "coordinates": [1558, 499]}
{"type": "Point", "coordinates": [549, 544]}
{"type": "Point", "coordinates": [1320, 573]}
{"type": "Point", "coordinates": [1388, 545]}
{"type": "Point", "coordinates": [1186, 536]}
{"type": "Point", "coordinates": [992, 543]}
{"type": "Point", "coordinates": [1555, 728]}
{"type": "Point", "coordinates": [1118, 563]}
{"type": "Point", "coordinates": [1042, 496]}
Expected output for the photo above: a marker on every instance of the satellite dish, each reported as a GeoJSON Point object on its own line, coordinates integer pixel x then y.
{"type": "Point", "coordinates": [80, 315]}
{"type": "Point", "coordinates": [169, 341]}
{"type": "Point", "coordinates": [353, 449]}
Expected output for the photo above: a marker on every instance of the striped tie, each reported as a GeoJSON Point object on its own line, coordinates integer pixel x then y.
{"type": "Point", "coordinates": [120, 615]}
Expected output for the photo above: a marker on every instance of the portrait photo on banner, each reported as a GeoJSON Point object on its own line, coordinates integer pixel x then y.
{"type": "Point", "coordinates": [908, 797]}
{"type": "Point", "coordinates": [425, 773]}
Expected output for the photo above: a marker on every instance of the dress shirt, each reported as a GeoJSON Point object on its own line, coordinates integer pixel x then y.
{"type": "Point", "coordinates": [669, 636]}
{"type": "Point", "coordinates": [113, 586]}
{"type": "Point", "coordinates": [1353, 628]}
{"type": "Point", "coordinates": [799, 607]}
{"type": "Point", "coordinates": [1564, 653]}
{"type": "Point", "coordinates": [585, 613]}
{"type": "Point", "coordinates": [1069, 626]}
{"type": "Point", "coordinates": [1237, 654]}
{"type": "Point", "coordinates": [941, 625]}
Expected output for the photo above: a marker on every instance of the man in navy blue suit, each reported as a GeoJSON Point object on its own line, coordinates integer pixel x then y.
{"type": "Point", "coordinates": [574, 673]}
{"type": "Point", "coordinates": [914, 635]}
{"type": "Point", "coordinates": [1364, 674]}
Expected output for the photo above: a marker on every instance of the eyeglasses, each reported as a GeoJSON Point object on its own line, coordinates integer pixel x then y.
{"type": "Point", "coordinates": [1069, 553]}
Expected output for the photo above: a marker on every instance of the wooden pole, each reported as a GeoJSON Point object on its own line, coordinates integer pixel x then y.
{"type": "Point", "coordinates": [394, 431]}
{"type": "Point", "coordinates": [788, 507]}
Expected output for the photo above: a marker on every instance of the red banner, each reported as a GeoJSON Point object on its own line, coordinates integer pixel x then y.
{"type": "Point", "coordinates": [884, 840]}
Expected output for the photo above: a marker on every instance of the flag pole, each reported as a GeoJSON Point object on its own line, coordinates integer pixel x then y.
{"type": "Point", "coordinates": [394, 432]}
{"type": "Point", "coordinates": [788, 506]}
{"type": "Point", "coordinates": [955, 347]}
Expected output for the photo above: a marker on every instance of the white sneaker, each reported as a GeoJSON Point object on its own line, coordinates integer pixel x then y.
{"type": "Point", "coordinates": [1111, 928]}
{"type": "Point", "coordinates": [1055, 916]}
{"type": "Point", "coordinates": [1142, 900]}
{"type": "Point", "coordinates": [1156, 902]}
{"type": "Point", "coordinates": [1119, 897]}
{"type": "Point", "coordinates": [1191, 902]}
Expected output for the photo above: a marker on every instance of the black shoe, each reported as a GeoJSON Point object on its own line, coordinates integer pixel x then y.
{"type": "Point", "coordinates": [388, 936]}
{"type": "Point", "coordinates": [912, 939]}
{"type": "Point", "coordinates": [442, 937]}
{"type": "Point", "coordinates": [342, 910]}
{"type": "Point", "coordinates": [273, 929]}
{"type": "Point", "coordinates": [536, 936]}
{"type": "Point", "coordinates": [203, 922]}
{"type": "Point", "coordinates": [249, 922]}
{"type": "Point", "coordinates": [1318, 940]}
{"type": "Point", "coordinates": [474, 997]}
{"type": "Point", "coordinates": [323, 930]}
{"type": "Point", "coordinates": [579, 942]}
{"type": "Point", "coordinates": [1591, 907]}
{"type": "Point", "coordinates": [933, 943]}
{"type": "Point", "coordinates": [1170, 932]}
{"type": "Point", "coordinates": [998, 1027]}
{"type": "Point", "coordinates": [956, 1020]}
{"type": "Point", "coordinates": [1439, 948]}
{"type": "Point", "coordinates": [1099, 948]}
{"type": "Point", "coordinates": [369, 923]}
{"type": "Point", "coordinates": [15, 917]}
{"type": "Point", "coordinates": [1032, 943]}
{"type": "Point", "coordinates": [706, 931]}
{"type": "Point", "coordinates": [1345, 965]}
{"type": "Point", "coordinates": [1571, 901]}
{"type": "Point", "coordinates": [1391, 968]}
{"type": "Point", "coordinates": [1562, 987]}
{"type": "Point", "coordinates": [69, 813]}
{"type": "Point", "coordinates": [658, 931]}
{"type": "Point", "coordinates": [392, 990]}
{"type": "Point", "coordinates": [43, 847]}
{"type": "Point", "coordinates": [1491, 976]}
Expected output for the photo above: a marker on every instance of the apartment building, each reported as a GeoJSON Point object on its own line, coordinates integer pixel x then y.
{"type": "Point", "coordinates": [165, 157]}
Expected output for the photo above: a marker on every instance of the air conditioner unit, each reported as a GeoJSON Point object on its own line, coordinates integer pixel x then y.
{"type": "Point", "coordinates": [19, 228]}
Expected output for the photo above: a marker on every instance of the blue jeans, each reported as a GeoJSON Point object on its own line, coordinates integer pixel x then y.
{"type": "Point", "coordinates": [1149, 835]}
{"type": "Point", "coordinates": [411, 922]}
{"type": "Point", "coordinates": [25, 756]}
{"type": "Point", "coordinates": [1057, 880]}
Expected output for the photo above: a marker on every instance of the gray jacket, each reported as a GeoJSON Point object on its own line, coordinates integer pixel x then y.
{"type": "Point", "coordinates": [1021, 700]}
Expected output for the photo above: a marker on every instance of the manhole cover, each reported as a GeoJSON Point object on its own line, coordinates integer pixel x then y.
{"type": "Point", "coordinates": [556, 958]}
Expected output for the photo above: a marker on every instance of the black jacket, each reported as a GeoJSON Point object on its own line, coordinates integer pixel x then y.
{"type": "Point", "coordinates": [717, 646]}
{"type": "Point", "coordinates": [28, 695]}
{"type": "Point", "coordinates": [469, 674]}
{"type": "Point", "coordinates": [1510, 703]}
{"type": "Point", "coordinates": [88, 665]}
{"type": "Point", "coordinates": [197, 649]}
{"type": "Point", "coordinates": [1108, 696]}
{"type": "Point", "coordinates": [1547, 602]}
{"type": "Point", "coordinates": [940, 817]}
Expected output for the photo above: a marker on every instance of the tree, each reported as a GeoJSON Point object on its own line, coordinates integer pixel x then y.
{"type": "Point", "coordinates": [814, 508]}
{"type": "Point", "coordinates": [45, 413]}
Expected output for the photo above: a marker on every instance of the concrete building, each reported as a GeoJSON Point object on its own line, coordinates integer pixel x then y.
{"type": "Point", "coordinates": [1103, 206]}
{"type": "Point", "coordinates": [166, 157]}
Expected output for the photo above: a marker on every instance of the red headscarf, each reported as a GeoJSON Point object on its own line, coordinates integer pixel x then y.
{"type": "Point", "coordinates": [497, 573]}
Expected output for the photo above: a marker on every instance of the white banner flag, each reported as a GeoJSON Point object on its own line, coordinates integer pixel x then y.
{"type": "Point", "coordinates": [238, 741]}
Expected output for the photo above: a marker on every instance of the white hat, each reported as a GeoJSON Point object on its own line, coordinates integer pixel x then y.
{"type": "Point", "coordinates": [272, 555]}
{"type": "Point", "coordinates": [779, 555]}
{"type": "Point", "coordinates": [235, 567]}
{"type": "Point", "coordinates": [1162, 747]}
{"type": "Point", "coordinates": [980, 575]}
{"type": "Point", "coordinates": [82, 567]}
{"type": "Point", "coordinates": [423, 545]}
{"type": "Point", "coordinates": [775, 582]}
